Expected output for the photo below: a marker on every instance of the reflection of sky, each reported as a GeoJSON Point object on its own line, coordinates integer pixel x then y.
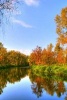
{"type": "Point", "coordinates": [22, 91]}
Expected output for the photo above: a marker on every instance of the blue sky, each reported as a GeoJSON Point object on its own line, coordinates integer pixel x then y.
{"type": "Point", "coordinates": [31, 25]}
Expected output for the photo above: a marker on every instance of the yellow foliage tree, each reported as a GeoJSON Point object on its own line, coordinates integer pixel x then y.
{"type": "Point", "coordinates": [61, 23]}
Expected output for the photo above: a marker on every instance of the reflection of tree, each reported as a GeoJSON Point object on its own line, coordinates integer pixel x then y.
{"type": "Point", "coordinates": [66, 97]}
{"type": "Point", "coordinates": [60, 88]}
{"type": "Point", "coordinates": [37, 87]}
{"type": "Point", "coordinates": [11, 75]}
{"type": "Point", "coordinates": [50, 85]}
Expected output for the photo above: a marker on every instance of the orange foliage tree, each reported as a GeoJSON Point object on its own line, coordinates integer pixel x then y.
{"type": "Point", "coordinates": [35, 57]}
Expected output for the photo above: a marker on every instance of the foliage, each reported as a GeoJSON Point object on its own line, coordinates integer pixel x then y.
{"type": "Point", "coordinates": [48, 56]}
{"type": "Point", "coordinates": [53, 70]}
{"type": "Point", "coordinates": [11, 75]}
{"type": "Point", "coordinates": [61, 22]}
{"type": "Point", "coordinates": [39, 82]}
{"type": "Point", "coordinates": [35, 57]}
{"type": "Point", "coordinates": [51, 84]}
{"type": "Point", "coordinates": [12, 58]}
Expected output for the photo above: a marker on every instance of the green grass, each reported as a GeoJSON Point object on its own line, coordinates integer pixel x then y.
{"type": "Point", "coordinates": [53, 71]}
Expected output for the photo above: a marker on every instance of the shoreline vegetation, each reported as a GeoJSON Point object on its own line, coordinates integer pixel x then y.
{"type": "Point", "coordinates": [8, 67]}
{"type": "Point", "coordinates": [52, 71]}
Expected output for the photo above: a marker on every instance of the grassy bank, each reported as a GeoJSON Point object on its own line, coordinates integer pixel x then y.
{"type": "Point", "coordinates": [53, 70]}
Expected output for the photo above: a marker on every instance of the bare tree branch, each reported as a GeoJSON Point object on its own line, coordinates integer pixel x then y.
{"type": "Point", "coordinates": [6, 5]}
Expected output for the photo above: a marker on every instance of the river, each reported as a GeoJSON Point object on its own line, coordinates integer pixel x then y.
{"type": "Point", "coordinates": [22, 84]}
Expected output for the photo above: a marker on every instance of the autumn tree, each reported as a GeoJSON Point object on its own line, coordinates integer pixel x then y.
{"type": "Point", "coordinates": [15, 58]}
{"type": "Point", "coordinates": [47, 57]}
{"type": "Point", "coordinates": [12, 58]}
{"type": "Point", "coordinates": [1, 45]}
{"type": "Point", "coordinates": [59, 54]}
{"type": "Point", "coordinates": [57, 48]}
{"type": "Point", "coordinates": [65, 54]}
{"type": "Point", "coordinates": [43, 56]}
{"type": "Point", "coordinates": [3, 55]}
{"type": "Point", "coordinates": [49, 54]}
{"type": "Point", "coordinates": [50, 47]}
{"type": "Point", "coordinates": [61, 26]}
{"type": "Point", "coordinates": [35, 57]}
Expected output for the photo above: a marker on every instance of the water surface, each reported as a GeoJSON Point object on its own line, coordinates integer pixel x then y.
{"type": "Point", "coordinates": [22, 84]}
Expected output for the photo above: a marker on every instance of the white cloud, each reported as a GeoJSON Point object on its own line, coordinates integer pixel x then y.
{"type": "Point", "coordinates": [22, 23]}
{"type": "Point", "coordinates": [24, 51]}
{"type": "Point", "coordinates": [32, 2]}
{"type": "Point", "coordinates": [27, 52]}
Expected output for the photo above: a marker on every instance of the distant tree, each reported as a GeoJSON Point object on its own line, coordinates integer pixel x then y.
{"type": "Point", "coordinates": [59, 54]}
{"type": "Point", "coordinates": [1, 45]}
{"type": "Point", "coordinates": [3, 55]}
{"type": "Point", "coordinates": [15, 58]}
{"type": "Point", "coordinates": [57, 48]}
{"type": "Point", "coordinates": [61, 26]}
{"type": "Point", "coordinates": [35, 57]}
{"type": "Point", "coordinates": [47, 57]}
{"type": "Point", "coordinates": [50, 47]}
{"type": "Point", "coordinates": [43, 56]}
{"type": "Point", "coordinates": [49, 54]}
{"type": "Point", "coordinates": [12, 58]}
{"type": "Point", "coordinates": [65, 53]}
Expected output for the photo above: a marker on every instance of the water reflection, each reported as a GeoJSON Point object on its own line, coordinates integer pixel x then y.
{"type": "Point", "coordinates": [11, 75]}
{"type": "Point", "coordinates": [36, 87]}
{"type": "Point", "coordinates": [51, 84]}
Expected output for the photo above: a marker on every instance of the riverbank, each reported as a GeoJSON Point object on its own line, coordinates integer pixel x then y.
{"type": "Point", "coordinates": [58, 70]}
{"type": "Point", "coordinates": [5, 67]}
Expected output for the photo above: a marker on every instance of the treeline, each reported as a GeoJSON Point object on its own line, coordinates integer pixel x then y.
{"type": "Point", "coordinates": [58, 54]}
{"type": "Point", "coordinates": [12, 58]}
{"type": "Point", "coordinates": [48, 56]}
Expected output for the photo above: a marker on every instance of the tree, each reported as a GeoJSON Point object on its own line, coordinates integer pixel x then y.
{"type": "Point", "coordinates": [15, 58]}
{"type": "Point", "coordinates": [61, 26]}
{"type": "Point", "coordinates": [6, 5]}
{"type": "Point", "coordinates": [3, 55]}
{"type": "Point", "coordinates": [1, 45]}
{"type": "Point", "coordinates": [50, 47]}
{"type": "Point", "coordinates": [65, 53]}
{"type": "Point", "coordinates": [43, 56]}
{"type": "Point", "coordinates": [57, 48]}
{"type": "Point", "coordinates": [35, 57]}
{"type": "Point", "coordinates": [59, 54]}
{"type": "Point", "coordinates": [47, 57]}
{"type": "Point", "coordinates": [49, 54]}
